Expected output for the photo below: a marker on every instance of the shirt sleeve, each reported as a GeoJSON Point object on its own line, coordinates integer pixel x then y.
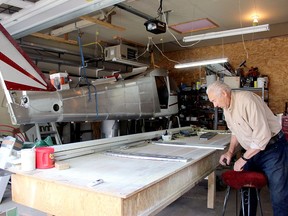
{"type": "Point", "coordinates": [255, 115]}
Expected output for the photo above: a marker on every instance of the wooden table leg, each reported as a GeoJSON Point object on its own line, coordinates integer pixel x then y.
{"type": "Point", "coordinates": [211, 190]}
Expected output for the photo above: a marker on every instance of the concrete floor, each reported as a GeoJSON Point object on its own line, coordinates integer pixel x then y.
{"type": "Point", "coordinates": [193, 203]}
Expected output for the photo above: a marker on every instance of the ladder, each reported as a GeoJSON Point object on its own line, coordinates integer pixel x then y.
{"type": "Point", "coordinates": [49, 130]}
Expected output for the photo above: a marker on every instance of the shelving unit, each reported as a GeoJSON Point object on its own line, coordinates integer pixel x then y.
{"type": "Point", "coordinates": [187, 101]}
{"type": "Point", "coordinates": [196, 109]}
{"type": "Point", "coordinates": [262, 92]}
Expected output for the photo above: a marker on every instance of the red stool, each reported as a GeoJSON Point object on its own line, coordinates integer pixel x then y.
{"type": "Point", "coordinates": [238, 180]}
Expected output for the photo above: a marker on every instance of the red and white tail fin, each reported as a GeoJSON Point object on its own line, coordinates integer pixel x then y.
{"type": "Point", "coordinates": [17, 70]}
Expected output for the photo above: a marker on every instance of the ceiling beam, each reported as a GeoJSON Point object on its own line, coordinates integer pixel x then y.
{"type": "Point", "coordinates": [134, 11]}
{"type": "Point", "coordinates": [77, 25]}
{"type": "Point", "coordinates": [47, 13]}
{"type": "Point", "coordinates": [71, 27]}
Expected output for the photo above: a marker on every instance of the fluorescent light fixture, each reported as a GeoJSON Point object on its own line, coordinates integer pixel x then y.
{"type": "Point", "coordinates": [129, 62]}
{"type": "Point", "coordinates": [227, 33]}
{"type": "Point", "coordinates": [199, 63]}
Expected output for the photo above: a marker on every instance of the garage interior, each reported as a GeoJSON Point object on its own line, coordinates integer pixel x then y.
{"type": "Point", "coordinates": [122, 55]}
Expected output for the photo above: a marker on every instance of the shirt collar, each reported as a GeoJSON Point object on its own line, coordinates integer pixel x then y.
{"type": "Point", "coordinates": [231, 106]}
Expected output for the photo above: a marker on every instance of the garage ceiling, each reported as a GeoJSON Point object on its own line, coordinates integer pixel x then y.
{"type": "Point", "coordinates": [64, 18]}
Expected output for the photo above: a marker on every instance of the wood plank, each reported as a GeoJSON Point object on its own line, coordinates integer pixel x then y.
{"type": "Point", "coordinates": [61, 200]}
{"type": "Point", "coordinates": [54, 38]}
{"type": "Point", "coordinates": [124, 40]}
{"type": "Point", "coordinates": [102, 23]}
{"type": "Point", "coordinates": [211, 190]}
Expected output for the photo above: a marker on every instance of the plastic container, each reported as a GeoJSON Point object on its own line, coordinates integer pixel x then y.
{"type": "Point", "coordinates": [45, 157]}
{"type": "Point", "coordinates": [167, 137]}
{"type": "Point", "coordinates": [28, 159]}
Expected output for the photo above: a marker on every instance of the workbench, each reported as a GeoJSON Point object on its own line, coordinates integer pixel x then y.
{"type": "Point", "coordinates": [130, 186]}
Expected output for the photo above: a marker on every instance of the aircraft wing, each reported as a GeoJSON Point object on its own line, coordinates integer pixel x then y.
{"type": "Point", "coordinates": [17, 70]}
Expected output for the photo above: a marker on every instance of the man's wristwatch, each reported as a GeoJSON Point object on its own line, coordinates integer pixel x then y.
{"type": "Point", "coordinates": [245, 159]}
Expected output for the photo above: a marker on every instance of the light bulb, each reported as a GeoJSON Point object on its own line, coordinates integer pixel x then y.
{"type": "Point", "coordinates": [255, 20]}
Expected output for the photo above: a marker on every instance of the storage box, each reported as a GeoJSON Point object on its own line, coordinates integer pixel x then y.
{"type": "Point", "coordinates": [233, 82]}
{"type": "Point", "coordinates": [60, 81]}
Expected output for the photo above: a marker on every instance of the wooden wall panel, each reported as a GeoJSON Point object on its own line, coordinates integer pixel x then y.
{"type": "Point", "coordinates": [269, 55]}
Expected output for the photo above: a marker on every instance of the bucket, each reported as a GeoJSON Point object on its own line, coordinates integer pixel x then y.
{"type": "Point", "coordinates": [44, 157]}
{"type": "Point", "coordinates": [28, 159]}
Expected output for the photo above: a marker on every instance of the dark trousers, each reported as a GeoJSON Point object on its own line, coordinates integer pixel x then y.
{"type": "Point", "coordinates": [273, 161]}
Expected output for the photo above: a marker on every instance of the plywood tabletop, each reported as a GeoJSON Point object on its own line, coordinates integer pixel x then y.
{"type": "Point", "coordinates": [122, 177]}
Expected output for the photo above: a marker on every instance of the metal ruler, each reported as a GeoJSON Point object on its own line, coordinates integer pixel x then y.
{"type": "Point", "coordinates": [147, 156]}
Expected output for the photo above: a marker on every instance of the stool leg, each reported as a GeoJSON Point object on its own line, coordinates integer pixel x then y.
{"type": "Point", "coordinates": [225, 200]}
{"type": "Point", "coordinates": [236, 198]}
{"type": "Point", "coordinates": [242, 201]}
{"type": "Point", "coordinates": [248, 201]}
{"type": "Point", "coordinates": [259, 201]}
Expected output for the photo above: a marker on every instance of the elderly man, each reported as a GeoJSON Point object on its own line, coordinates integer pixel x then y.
{"type": "Point", "coordinates": [257, 130]}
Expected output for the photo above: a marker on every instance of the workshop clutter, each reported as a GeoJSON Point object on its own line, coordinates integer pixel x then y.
{"type": "Point", "coordinates": [28, 160]}
{"type": "Point", "coordinates": [26, 156]}
{"type": "Point", "coordinates": [8, 151]}
{"type": "Point", "coordinates": [39, 158]}
{"type": "Point", "coordinates": [44, 153]}
{"type": "Point", "coordinates": [60, 80]}
{"type": "Point", "coordinates": [45, 157]}
{"type": "Point", "coordinates": [46, 142]}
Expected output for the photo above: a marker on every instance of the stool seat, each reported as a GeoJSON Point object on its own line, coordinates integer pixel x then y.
{"type": "Point", "coordinates": [241, 179]}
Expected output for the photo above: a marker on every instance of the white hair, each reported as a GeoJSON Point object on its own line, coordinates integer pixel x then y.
{"type": "Point", "coordinates": [217, 87]}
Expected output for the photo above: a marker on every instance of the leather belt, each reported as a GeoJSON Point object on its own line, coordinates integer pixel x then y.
{"type": "Point", "coordinates": [275, 138]}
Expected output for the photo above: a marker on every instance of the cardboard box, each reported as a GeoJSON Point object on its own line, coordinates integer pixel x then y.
{"type": "Point", "coordinates": [60, 81]}
{"type": "Point", "coordinates": [233, 82]}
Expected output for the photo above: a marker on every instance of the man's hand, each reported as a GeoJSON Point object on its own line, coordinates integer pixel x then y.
{"type": "Point", "coordinates": [225, 159]}
{"type": "Point", "coordinates": [239, 164]}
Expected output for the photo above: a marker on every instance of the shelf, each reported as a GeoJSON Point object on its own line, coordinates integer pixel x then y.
{"type": "Point", "coordinates": [262, 92]}
{"type": "Point", "coordinates": [196, 104]}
